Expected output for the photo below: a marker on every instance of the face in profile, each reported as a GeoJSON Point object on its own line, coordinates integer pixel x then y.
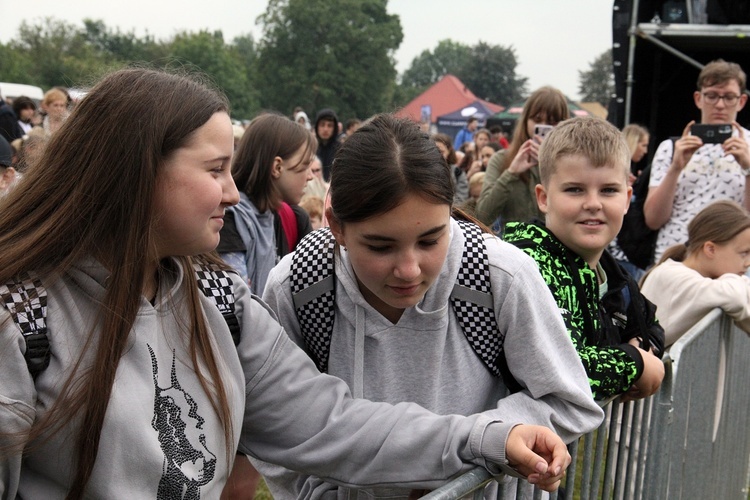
{"type": "Point", "coordinates": [292, 174]}
{"type": "Point", "coordinates": [731, 257]}
{"type": "Point", "coordinates": [194, 188]}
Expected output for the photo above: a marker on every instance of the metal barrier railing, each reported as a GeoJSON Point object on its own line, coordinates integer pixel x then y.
{"type": "Point", "coordinates": [690, 439]}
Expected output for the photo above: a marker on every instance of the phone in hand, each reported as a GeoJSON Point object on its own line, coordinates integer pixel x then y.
{"type": "Point", "coordinates": [541, 131]}
{"type": "Point", "coordinates": [712, 133]}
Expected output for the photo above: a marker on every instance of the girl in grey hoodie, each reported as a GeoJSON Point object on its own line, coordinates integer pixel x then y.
{"type": "Point", "coordinates": [396, 335]}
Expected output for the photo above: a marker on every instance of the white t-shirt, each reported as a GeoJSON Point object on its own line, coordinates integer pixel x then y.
{"type": "Point", "coordinates": [709, 176]}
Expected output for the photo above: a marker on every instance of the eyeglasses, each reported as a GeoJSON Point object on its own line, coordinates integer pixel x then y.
{"type": "Point", "coordinates": [713, 98]}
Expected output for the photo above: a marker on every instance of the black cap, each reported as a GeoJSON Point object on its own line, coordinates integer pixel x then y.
{"type": "Point", "coordinates": [6, 153]}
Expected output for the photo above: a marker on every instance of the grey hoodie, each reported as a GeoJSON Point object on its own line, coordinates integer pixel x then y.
{"type": "Point", "coordinates": [425, 358]}
{"type": "Point", "coordinates": [161, 436]}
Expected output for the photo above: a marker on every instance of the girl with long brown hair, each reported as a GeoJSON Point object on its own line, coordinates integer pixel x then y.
{"type": "Point", "coordinates": [139, 389]}
{"type": "Point", "coordinates": [707, 271]}
{"type": "Point", "coordinates": [508, 193]}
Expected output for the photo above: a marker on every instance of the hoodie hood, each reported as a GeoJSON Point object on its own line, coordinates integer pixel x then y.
{"type": "Point", "coordinates": [303, 115]}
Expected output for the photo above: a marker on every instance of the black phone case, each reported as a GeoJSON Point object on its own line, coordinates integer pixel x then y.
{"type": "Point", "coordinates": [712, 133]}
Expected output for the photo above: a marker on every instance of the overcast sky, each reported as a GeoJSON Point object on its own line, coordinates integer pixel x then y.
{"type": "Point", "coordinates": [553, 39]}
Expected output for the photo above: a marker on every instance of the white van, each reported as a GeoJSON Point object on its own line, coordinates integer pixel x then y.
{"type": "Point", "coordinates": [13, 90]}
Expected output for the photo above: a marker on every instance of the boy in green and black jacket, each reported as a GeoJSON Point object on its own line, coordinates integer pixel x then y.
{"type": "Point", "coordinates": [584, 194]}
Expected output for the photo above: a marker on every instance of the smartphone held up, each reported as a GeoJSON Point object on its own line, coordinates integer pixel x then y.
{"type": "Point", "coordinates": [541, 131]}
{"type": "Point", "coordinates": [712, 133]}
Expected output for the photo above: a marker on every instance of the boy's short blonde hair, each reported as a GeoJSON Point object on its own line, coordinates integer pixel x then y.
{"type": "Point", "coordinates": [593, 138]}
{"type": "Point", "coordinates": [476, 179]}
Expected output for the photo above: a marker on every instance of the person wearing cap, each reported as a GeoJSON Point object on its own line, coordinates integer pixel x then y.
{"type": "Point", "coordinates": [7, 172]}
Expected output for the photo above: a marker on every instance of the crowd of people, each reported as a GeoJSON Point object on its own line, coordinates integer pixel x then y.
{"type": "Point", "coordinates": [362, 308]}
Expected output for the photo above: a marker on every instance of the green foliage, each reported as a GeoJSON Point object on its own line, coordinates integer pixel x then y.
{"type": "Point", "coordinates": [449, 57]}
{"type": "Point", "coordinates": [56, 53]}
{"type": "Point", "coordinates": [208, 52]}
{"type": "Point", "coordinates": [328, 53]}
{"type": "Point", "coordinates": [487, 70]}
{"type": "Point", "coordinates": [490, 72]}
{"type": "Point", "coordinates": [598, 83]}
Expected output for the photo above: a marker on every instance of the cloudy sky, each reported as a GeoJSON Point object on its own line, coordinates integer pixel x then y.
{"type": "Point", "coordinates": [553, 39]}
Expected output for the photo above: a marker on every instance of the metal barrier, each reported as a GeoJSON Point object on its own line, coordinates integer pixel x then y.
{"type": "Point", "coordinates": [690, 440]}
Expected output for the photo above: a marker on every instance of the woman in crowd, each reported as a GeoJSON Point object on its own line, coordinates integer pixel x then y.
{"type": "Point", "coordinates": [271, 169]}
{"type": "Point", "coordinates": [513, 173]}
{"type": "Point", "coordinates": [55, 107]}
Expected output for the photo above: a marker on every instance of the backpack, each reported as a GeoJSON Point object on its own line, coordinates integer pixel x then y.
{"type": "Point", "coordinates": [26, 299]}
{"type": "Point", "coordinates": [635, 238]}
{"type": "Point", "coordinates": [313, 294]}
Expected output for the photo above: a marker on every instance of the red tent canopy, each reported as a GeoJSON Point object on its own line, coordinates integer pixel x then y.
{"type": "Point", "coordinates": [445, 96]}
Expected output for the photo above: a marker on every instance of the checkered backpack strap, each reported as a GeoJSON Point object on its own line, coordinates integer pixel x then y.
{"type": "Point", "coordinates": [472, 300]}
{"type": "Point", "coordinates": [217, 286]}
{"type": "Point", "coordinates": [26, 299]}
{"type": "Point", "coordinates": [313, 292]}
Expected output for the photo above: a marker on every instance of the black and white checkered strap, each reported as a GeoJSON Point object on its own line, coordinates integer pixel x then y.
{"type": "Point", "coordinates": [472, 300]}
{"type": "Point", "coordinates": [312, 282]}
{"type": "Point", "coordinates": [26, 299]}
{"type": "Point", "coordinates": [217, 286]}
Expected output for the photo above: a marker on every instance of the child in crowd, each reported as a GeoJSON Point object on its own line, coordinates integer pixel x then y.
{"type": "Point", "coordinates": [128, 382]}
{"type": "Point", "coordinates": [445, 146]}
{"type": "Point", "coordinates": [584, 194]}
{"type": "Point", "coordinates": [316, 186]}
{"type": "Point", "coordinates": [512, 174]}
{"type": "Point", "coordinates": [475, 187]}
{"type": "Point", "coordinates": [314, 207]}
{"type": "Point", "coordinates": [271, 169]}
{"type": "Point", "coordinates": [706, 272]}
{"type": "Point", "coordinates": [392, 327]}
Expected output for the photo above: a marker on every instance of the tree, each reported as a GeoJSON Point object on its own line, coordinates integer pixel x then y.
{"type": "Point", "coordinates": [328, 53]}
{"type": "Point", "coordinates": [57, 53]}
{"type": "Point", "coordinates": [123, 46]}
{"type": "Point", "coordinates": [449, 57]}
{"type": "Point", "coordinates": [489, 71]}
{"type": "Point", "coordinates": [598, 83]}
{"type": "Point", "coordinates": [207, 52]}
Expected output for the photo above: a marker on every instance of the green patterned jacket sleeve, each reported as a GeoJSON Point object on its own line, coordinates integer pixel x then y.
{"type": "Point", "coordinates": [610, 369]}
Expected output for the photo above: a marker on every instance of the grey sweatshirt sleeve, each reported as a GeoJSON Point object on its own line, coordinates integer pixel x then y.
{"type": "Point", "coordinates": [17, 402]}
{"type": "Point", "coordinates": [307, 421]}
{"type": "Point", "coordinates": [539, 352]}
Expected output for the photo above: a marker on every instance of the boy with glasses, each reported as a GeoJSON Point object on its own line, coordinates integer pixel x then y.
{"type": "Point", "coordinates": [687, 175]}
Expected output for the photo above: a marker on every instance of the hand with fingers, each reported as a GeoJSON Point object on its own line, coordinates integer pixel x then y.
{"type": "Point", "coordinates": [684, 148]}
{"type": "Point", "coordinates": [737, 147]}
{"type": "Point", "coordinates": [526, 157]}
{"type": "Point", "coordinates": [539, 454]}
